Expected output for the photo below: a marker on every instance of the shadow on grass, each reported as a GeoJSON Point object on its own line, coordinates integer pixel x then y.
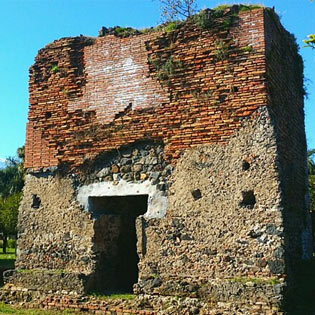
{"type": "Point", "coordinates": [6, 262]}
{"type": "Point", "coordinates": [301, 292]}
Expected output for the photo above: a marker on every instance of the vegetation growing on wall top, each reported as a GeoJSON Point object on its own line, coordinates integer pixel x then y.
{"type": "Point", "coordinates": [204, 19]}
{"type": "Point", "coordinates": [119, 31]}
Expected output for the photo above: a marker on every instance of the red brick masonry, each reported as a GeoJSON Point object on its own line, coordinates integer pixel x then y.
{"type": "Point", "coordinates": [90, 96]}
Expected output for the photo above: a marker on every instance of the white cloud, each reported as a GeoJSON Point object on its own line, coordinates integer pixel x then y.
{"type": "Point", "coordinates": [2, 163]}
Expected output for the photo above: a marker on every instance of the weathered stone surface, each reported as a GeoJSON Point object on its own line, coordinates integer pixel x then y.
{"type": "Point", "coordinates": [142, 304]}
{"type": "Point", "coordinates": [57, 234]}
{"type": "Point", "coordinates": [48, 280]}
{"type": "Point", "coordinates": [214, 236]}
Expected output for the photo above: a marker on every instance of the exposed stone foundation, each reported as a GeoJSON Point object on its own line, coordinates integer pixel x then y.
{"type": "Point", "coordinates": [142, 304]}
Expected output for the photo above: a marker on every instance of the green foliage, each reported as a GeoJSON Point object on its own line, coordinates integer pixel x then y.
{"type": "Point", "coordinates": [154, 276]}
{"type": "Point", "coordinates": [8, 309]}
{"type": "Point", "coordinates": [171, 26]}
{"type": "Point", "coordinates": [11, 184]}
{"type": "Point", "coordinates": [21, 155]}
{"type": "Point", "coordinates": [310, 162]}
{"type": "Point", "coordinates": [244, 8]}
{"type": "Point", "coordinates": [54, 68]}
{"type": "Point", "coordinates": [8, 213]}
{"type": "Point", "coordinates": [247, 48]}
{"type": "Point", "coordinates": [11, 179]}
{"type": "Point", "coordinates": [310, 42]}
{"type": "Point", "coordinates": [227, 22]}
{"type": "Point", "coordinates": [221, 50]}
{"type": "Point", "coordinates": [221, 7]}
{"type": "Point", "coordinates": [165, 70]}
{"type": "Point", "coordinates": [119, 31]}
{"type": "Point", "coordinates": [11, 243]}
{"type": "Point", "coordinates": [244, 280]}
{"type": "Point", "coordinates": [26, 270]}
{"type": "Point", "coordinates": [51, 271]}
{"type": "Point", "coordinates": [122, 296]}
{"type": "Point", "coordinates": [204, 19]}
{"type": "Point", "coordinates": [125, 31]}
{"type": "Point", "coordinates": [9, 255]}
{"type": "Point", "coordinates": [241, 7]}
{"type": "Point", "coordinates": [165, 27]}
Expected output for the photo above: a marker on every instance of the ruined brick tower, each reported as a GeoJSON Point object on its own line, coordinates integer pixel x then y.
{"type": "Point", "coordinates": [170, 163]}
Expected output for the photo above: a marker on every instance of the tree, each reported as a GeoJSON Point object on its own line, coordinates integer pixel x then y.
{"type": "Point", "coordinates": [8, 216]}
{"type": "Point", "coordinates": [11, 184]}
{"type": "Point", "coordinates": [310, 162]}
{"type": "Point", "coordinates": [11, 178]}
{"type": "Point", "coordinates": [177, 9]}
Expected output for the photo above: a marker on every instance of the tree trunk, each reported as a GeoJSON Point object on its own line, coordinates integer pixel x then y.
{"type": "Point", "coordinates": [4, 244]}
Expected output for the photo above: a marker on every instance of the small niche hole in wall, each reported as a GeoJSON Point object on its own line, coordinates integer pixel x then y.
{"type": "Point", "coordinates": [196, 194]}
{"type": "Point", "coordinates": [47, 115]}
{"type": "Point", "coordinates": [222, 98]}
{"type": "Point", "coordinates": [245, 165]}
{"type": "Point", "coordinates": [35, 202]}
{"type": "Point", "coordinates": [249, 199]}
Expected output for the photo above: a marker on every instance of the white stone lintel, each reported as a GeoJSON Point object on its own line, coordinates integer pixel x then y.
{"type": "Point", "coordinates": [157, 203]}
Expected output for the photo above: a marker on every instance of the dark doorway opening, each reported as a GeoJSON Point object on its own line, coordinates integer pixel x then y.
{"type": "Point", "coordinates": [115, 240]}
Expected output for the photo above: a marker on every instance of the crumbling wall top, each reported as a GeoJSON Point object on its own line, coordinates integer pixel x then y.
{"type": "Point", "coordinates": [183, 85]}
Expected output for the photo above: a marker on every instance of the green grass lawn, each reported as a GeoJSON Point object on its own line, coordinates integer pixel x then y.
{"type": "Point", "coordinates": [9, 255]}
{"type": "Point", "coordinates": [7, 260]}
{"type": "Point", "coordinates": [114, 296]}
{"type": "Point", "coordinates": [8, 309]}
{"type": "Point", "coordinates": [9, 250]}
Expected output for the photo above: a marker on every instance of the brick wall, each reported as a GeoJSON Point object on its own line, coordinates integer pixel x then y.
{"type": "Point", "coordinates": [89, 96]}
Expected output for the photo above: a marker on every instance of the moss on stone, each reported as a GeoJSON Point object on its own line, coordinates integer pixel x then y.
{"type": "Point", "coordinates": [249, 7]}
{"type": "Point", "coordinates": [56, 271]}
{"type": "Point", "coordinates": [266, 281]}
{"type": "Point", "coordinates": [122, 296]}
{"type": "Point", "coordinates": [221, 7]}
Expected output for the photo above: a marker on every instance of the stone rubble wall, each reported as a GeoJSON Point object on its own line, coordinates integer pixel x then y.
{"type": "Point", "coordinates": [48, 281]}
{"type": "Point", "coordinates": [142, 304]}
{"type": "Point", "coordinates": [213, 237]}
{"type": "Point", "coordinates": [58, 234]}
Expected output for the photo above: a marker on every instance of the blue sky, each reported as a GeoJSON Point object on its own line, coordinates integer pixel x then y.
{"type": "Point", "coordinates": [28, 25]}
